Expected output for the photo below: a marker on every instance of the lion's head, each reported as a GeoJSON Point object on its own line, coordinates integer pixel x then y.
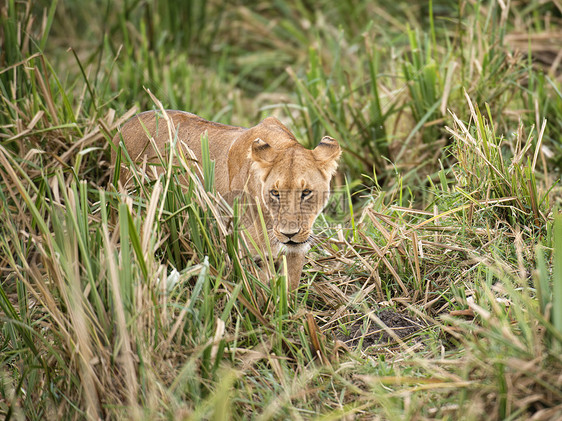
{"type": "Point", "coordinates": [295, 186]}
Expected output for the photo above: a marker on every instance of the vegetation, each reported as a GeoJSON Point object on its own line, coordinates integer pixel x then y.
{"type": "Point", "coordinates": [435, 291]}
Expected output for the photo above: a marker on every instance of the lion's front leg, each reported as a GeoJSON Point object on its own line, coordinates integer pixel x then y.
{"type": "Point", "coordinates": [295, 262]}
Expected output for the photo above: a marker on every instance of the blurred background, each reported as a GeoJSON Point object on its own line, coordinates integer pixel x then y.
{"type": "Point", "coordinates": [378, 76]}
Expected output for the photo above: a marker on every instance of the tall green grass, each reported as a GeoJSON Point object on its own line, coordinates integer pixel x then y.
{"type": "Point", "coordinates": [145, 303]}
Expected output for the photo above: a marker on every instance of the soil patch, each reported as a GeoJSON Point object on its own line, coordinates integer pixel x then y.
{"type": "Point", "coordinates": [372, 333]}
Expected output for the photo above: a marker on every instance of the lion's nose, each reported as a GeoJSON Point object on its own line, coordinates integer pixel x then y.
{"type": "Point", "coordinates": [291, 234]}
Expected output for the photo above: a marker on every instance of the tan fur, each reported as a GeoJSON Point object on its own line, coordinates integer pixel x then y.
{"type": "Point", "coordinates": [264, 163]}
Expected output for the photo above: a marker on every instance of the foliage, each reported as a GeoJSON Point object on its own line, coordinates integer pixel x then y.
{"type": "Point", "coordinates": [435, 289]}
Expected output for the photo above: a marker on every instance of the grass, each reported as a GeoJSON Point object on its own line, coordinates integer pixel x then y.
{"type": "Point", "coordinates": [435, 289]}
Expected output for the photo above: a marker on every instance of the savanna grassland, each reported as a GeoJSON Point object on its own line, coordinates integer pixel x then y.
{"type": "Point", "coordinates": [435, 287]}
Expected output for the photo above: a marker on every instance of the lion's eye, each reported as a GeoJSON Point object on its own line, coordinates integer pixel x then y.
{"type": "Point", "coordinates": [274, 193]}
{"type": "Point", "coordinates": [306, 193]}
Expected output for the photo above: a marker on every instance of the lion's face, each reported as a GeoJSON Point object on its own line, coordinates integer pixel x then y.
{"type": "Point", "coordinates": [295, 188]}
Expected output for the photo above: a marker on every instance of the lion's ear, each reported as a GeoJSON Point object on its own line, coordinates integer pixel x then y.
{"type": "Point", "coordinates": [328, 153]}
{"type": "Point", "coordinates": [262, 152]}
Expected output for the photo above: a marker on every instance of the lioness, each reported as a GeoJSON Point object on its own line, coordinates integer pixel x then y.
{"type": "Point", "coordinates": [264, 163]}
